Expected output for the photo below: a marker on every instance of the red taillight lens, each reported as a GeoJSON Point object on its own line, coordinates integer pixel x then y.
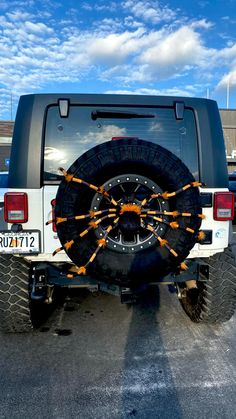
{"type": "Point", "coordinates": [16, 207]}
{"type": "Point", "coordinates": [53, 204]}
{"type": "Point", "coordinates": [223, 206]}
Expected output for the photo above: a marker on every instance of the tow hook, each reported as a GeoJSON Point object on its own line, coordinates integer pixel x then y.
{"type": "Point", "coordinates": [41, 291]}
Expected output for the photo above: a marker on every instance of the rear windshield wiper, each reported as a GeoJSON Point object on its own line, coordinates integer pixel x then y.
{"type": "Point", "coordinates": [119, 115]}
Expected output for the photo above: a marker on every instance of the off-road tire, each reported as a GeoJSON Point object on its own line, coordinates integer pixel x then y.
{"type": "Point", "coordinates": [214, 301]}
{"type": "Point", "coordinates": [15, 311]}
{"type": "Point", "coordinates": [98, 166]}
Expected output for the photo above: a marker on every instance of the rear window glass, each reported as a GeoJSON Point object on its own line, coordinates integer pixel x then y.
{"type": "Point", "coordinates": [232, 183]}
{"type": "Point", "coordinates": [3, 180]}
{"type": "Point", "coordinates": [68, 138]}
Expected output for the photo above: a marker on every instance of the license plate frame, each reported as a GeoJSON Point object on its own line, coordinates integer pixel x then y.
{"type": "Point", "coordinates": [25, 242]}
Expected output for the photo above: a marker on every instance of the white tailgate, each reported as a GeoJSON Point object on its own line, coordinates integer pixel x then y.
{"type": "Point", "coordinates": [51, 241]}
{"type": "Point", "coordinates": [220, 232]}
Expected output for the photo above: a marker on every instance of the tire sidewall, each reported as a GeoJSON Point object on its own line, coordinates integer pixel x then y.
{"type": "Point", "coordinates": [120, 157]}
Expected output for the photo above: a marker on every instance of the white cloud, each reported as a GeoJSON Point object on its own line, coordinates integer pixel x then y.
{"type": "Point", "coordinates": [227, 57]}
{"type": "Point", "coordinates": [174, 52]}
{"type": "Point", "coordinates": [108, 7]}
{"type": "Point", "coordinates": [108, 23]}
{"type": "Point", "coordinates": [228, 54]}
{"type": "Point", "coordinates": [38, 28]}
{"type": "Point", "coordinates": [150, 11]}
{"type": "Point", "coordinates": [114, 48]}
{"type": "Point", "coordinates": [4, 23]}
{"type": "Point", "coordinates": [105, 134]}
{"type": "Point", "coordinates": [202, 23]}
{"type": "Point", "coordinates": [87, 6]}
{"type": "Point", "coordinates": [227, 79]}
{"type": "Point", "coordinates": [187, 91]}
{"type": "Point", "coordinates": [130, 22]}
{"type": "Point", "coordinates": [18, 15]}
{"type": "Point", "coordinates": [160, 55]}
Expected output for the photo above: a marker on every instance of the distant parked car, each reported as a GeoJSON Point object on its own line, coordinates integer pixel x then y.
{"type": "Point", "coordinates": [3, 187]}
{"type": "Point", "coordinates": [232, 188]}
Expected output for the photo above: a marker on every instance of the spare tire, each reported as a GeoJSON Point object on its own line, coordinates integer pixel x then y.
{"type": "Point", "coordinates": [130, 170]}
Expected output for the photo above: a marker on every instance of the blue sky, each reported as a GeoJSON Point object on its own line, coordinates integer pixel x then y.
{"type": "Point", "coordinates": [185, 48]}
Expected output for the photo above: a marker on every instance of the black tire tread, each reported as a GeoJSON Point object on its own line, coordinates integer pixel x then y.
{"type": "Point", "coordinates": [15, 313]}
{"type": "Point", "coordinates": [217, 298]}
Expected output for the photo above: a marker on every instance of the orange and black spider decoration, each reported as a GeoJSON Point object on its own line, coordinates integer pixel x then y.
{"type": "Point", "coordinates": [129, 215]}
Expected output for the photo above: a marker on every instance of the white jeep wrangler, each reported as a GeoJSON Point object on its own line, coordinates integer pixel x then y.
{"type": "Point", "coordinates": [116, 192]}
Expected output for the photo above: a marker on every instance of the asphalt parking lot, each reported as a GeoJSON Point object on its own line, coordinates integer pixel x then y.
{"type": "Point", "coordinates": [96, 358]}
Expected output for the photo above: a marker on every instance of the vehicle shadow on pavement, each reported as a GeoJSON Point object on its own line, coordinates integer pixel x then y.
{"type": "Point", "coordinates": [148, 390]}
{"type": "Point", "coordinates": [96, 358]}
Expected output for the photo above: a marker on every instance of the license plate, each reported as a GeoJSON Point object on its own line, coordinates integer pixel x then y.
{"type": "Point", "coordinates": [22, 242]}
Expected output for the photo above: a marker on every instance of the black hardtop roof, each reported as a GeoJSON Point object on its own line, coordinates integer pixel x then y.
{"type": "Point", "coordinates": [27, 156]}
{"type": "Point", "coordinates": [117, 99]}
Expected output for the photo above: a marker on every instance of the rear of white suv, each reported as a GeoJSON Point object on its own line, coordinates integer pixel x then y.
{"type": "Point", "coordinates": [77, 131]}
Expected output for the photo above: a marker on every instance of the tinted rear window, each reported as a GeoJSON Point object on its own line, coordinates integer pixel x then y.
{"type": "Point", "coordinates": [68, 138]}
{"type": "Point", "coordinates": [232, 184]}
{"type": "Point", "coordinates": [3, 180]}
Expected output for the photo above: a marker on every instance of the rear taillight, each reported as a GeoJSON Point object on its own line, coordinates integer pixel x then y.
{"type": "Point", "coordinates": [16, 207]}
{"type": "Point", "coordinates": [223, 206]}
{"type": "Point", "coordinates": [53, 204]}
